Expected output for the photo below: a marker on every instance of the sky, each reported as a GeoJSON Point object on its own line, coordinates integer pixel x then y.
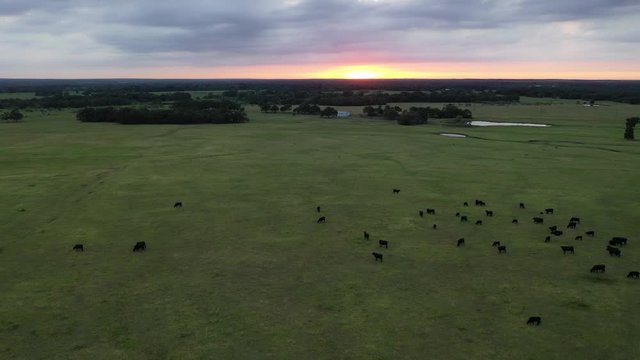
{"type": "Point", "coordinates": [559, 39]}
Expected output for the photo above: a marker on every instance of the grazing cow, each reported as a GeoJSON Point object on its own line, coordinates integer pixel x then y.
{"type": "Point", "coordinates": [538, 220]}
{"type": "Point", "coordinates": [457, 214]}
{"type": "Point", "coordinates": [633, 275]}
{"type": "Point", "coordinates": [597, 268]}
{"type": "Point", "coordinates": [78, 247]}
{"type": "Point", "coordinates": [521, 205]}
{"type": "Point", "coordinates": [590, 233]}
{"type": "Point", "coordinates": [571, 225]}
{"type": "Point", "coordinates": [366, 235]}
{"type": "Point", "coordinates": [384, 243]}
{"type": "Point", "coordinates": [553, 228]}
{"type": "Point", "coordinates": [421, 213]}
{"type": "Point", "coordinates": [502, 249]}
{"type": "Point", "coordinates": [575, 220]}
{"type": "Point", "coordinates": [579, 237]}
{"type": "Point", "coordinates": [534, 320]}
{"type": "Point", "coordinates": [177, 205]}
{"type": "Point", "coordinates": [557, 233]}
{"type": "Point", "coordinates": [463, 218]}
{"type": "Point", "coordinates": [495, 243]}
{"type": "Point", "coordinates": [514, 221]}
{"type": "Point", "coordinates": [140, 246]}
{"type": "Point", "coordinates": [435, 226]}
{"type": "Point", "coordinates": [480, 203]}
{"type": "Point", "coordinates": [488, 212]}
{"type": "Point", "coordinates": [321, 219]}
{"type": "Point", "coordinates": [566, 249]}
{"type": "Point", "coordinates": [431, 211]}
{"type": "Point", "coordinates": [619, 239]}
{"type": "Point", "coordinates": [548, 211]}
{"type": "Point", "coordinates": [377, 256]}
{"type": "Point", "coordinates": [465, 204]}
{"type": "Point", "coordinates": [460, 242]}
{"type": "Point", "coordinates": [547, 239]}
{"type": "Point", "coordinates": [479, 222]}
{"type": "Point", "coordinates": [318, 209]}
{"type": "Point", "coordinates": [396, 191]}
{"type": "Point", "coordinates": [614, 251]}
{"type": "Point", "coordinates": [615, 242]}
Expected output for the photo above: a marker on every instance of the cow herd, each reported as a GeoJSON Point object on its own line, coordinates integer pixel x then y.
{"type": "Point", "coordinates": [502, 249]}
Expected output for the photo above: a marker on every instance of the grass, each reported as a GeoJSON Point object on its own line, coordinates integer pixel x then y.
{"type": "Point", "coordinates": [17, 95]}
{"type": "Point", "coordinates": [242, 271]}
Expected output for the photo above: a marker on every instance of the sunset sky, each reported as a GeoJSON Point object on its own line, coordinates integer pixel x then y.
{"type": "Point", "coordinates": [586, 39]}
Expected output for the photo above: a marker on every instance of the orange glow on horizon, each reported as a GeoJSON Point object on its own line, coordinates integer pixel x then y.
{"type": "Point", "coordinates": [363, 72]}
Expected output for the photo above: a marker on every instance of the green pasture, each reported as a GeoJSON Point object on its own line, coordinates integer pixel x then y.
{"type": "Point", "coordinates": [243, 271]}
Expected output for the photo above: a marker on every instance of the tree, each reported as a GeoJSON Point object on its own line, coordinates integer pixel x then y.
{"type": "Point", "coordinates": [329, 112]}
{"type": "Point", "coordinates": [285, 108]}
{"type": "Point", "coordinates": [275, 108]}
{"type": "Point", "coordinates": [14, 115]}
{"type": "Point", "coordinates": [631, 124]}
{"type": "Point", "coordinates": [391, 113]}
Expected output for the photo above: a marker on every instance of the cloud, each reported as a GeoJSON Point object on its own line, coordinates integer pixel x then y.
{"type": "Point", "coordinates": [92, 34]}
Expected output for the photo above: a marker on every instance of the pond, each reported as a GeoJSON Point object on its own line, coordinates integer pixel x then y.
{"type": "Point", "coordinates": [454, 135]}
{"type": "Point", "coordinates": [495, 123]}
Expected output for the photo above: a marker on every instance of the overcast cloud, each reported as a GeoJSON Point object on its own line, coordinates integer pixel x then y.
{"type": "Point", "coordinates": [66, 35]}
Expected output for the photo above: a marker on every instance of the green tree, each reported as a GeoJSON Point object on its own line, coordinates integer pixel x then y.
{"type": "Point", "coordinates": [629, 130]}
{"type": "Point", "coordinates": [329, 112]}
{"type": "Point", "coordinates": [14, 115]}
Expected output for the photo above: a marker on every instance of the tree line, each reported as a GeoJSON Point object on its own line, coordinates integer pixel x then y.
{"type": "Point", "coordinates": [60, 100]}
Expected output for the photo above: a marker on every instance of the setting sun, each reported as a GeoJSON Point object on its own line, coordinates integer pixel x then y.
{"type": "Point", "coordinates": [364, 72]}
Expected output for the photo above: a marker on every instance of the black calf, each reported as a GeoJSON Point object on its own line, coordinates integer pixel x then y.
{"type": "Point", "coordinates": [553, 228]}
{"type": "Point", "coordinates": [396, 191]}
{"type": "Point", "coordinates": [597, 268]}
{"type": "Point", "coordinates": [460, 242]}
{"type": "Point", "coordinates": [557, 233]}
{"type": "Point", "coordinates": [465, 204]}
{"type": "Point", "coordinates": [421, 213]}
{"type": "Point", "coordinates": [521, 205]}
{"type": "Point", "coordinates": [579, 237]}
{"type": "Point", "coordinates": [321, 219]}
{"type": "Point", "coordinates": [567, 249]}
{"type": "Point", "coordinates": [431, 211]}
{"type": "Point", "coordinates": [463, 218]}
{"type": "Point", "coordinates": [502, 249]}
{"type": "Point", "coordinates": [318, 209]}
{"type": "Point", "coordinates": [479, 222]}
{"type": "Point", "coordinates": [435, 226]}
{"type": "Point", "coordinates": [619, 240]}
{"type": "Point", "coordinates": [480, 203]}
{"type": "Point", "coordinates": [384, 243]}
{"type": "Point", "coordinates": [548, 211]}
{"type": "Point", "coordinates": [177, 205]}
{"type": "Point", "coordinates": [488, 212]}
{"type": "Point", "coordinates": [78, 247]}
{"type": "Point", "coordinates": [547, 239]}
{"type": "Point", "coordinates": [140, 246]}
{"type": "Point", "coordinates": [575, 220]}
{"type": "Point", "coordinates": [538, 220]}
{"type": "Point", "coordinates": [571, 225]}
{"type": "Point", "coordinates": [377, 256]}
{"type": "Point", "coordinates": [614, 251]}
{"type": "Point", "coordinates": [496, 243]}
{"type": "Point", "coordinates": [590, 233]}
{"type": "Point", "coordinates": [366, 235]}
{"type": "Point", "coordinates": [634, 275]}
{"type": "Point", "coordinates": [457, 214]}
{"type": "Point", "coordinates": [514, 221]}
{"type": "Point", "coordinates": [534, 320]}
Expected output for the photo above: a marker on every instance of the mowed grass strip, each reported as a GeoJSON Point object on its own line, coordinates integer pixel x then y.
{"type": "Point", "coordinates": [242, 270]}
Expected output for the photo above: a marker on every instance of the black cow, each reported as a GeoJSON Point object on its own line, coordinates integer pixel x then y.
{"type": "Point", "coordinates": [457, 214]}
{"type": "Point", "coordinates": [421, 213]}
{"type": "Point", "coordinates": [634, 275]}
{"type": "Point", "coordinates": [377, 256]}
{"type": "Point", "coordinates": [572, 225]}
{"type": "Point", "coordinates": [613, 251]}
{"type": "Point", "coordinates": [548, 211]}
{"type": "Point", "coordinates": [566, 249]}
{"type": "Point", "coordinates": [321, 219]}
{"type": "Point", "coordinates": [318, 209]}
{"type": "Point", "coordinates": [553, 228]}
{"type": "Point", "coordinates": [465, 204]}
{"type": "Point", "coordinates": [514, 221]}
{"type": "Point", "coordinates": [521, 205]}
{"type": "Point", "coordinates": [435, 226]}
{"type": "Point", "coordinates": [177, 205]}
{"type": "Point", "coordinates": [366, 235]}
{"type": "Point", "coordinates": [384, 243]}
{"type": "Point", "coordinates": [78, 247]}
{"type": "Point", "coordinates": [479, 222]}
{"type": "Point", "coordinates": [619, 239]}
{"type": "Point", "coordinates": [396, 191]}
{"type": "Point", "coordinates": [495, 243]}
{"type": "Point", "coordinates": [460, 242]}
{"type": "Point", "coordinates": [615, 242]}
{"type": "Point", "coordinates": [579, 237]}
{"type": "Point", "coordinates": [463, 218]}
{"type": "Point", "coordinates": [488, 212]}
{"type": "Point", "coordinates": [431, 211]}
{"type": "Point", "coordinates": [590, 233]}
{"type": "Point", "coordinates": [597, 268]}
{"type": "Point", "coordinates": [502, 249]}
{"type": "Point", "coordinates": [534, 320]}
{"type": "Point", "coordinates": [547, 239]}
{"type": "Point", "coordinates": [575, 220]}
{"type": "Point", "coordinates": [480, 203]}
{"type": "Point", "coordinates": [557, 233]}
{"type": "Point", "coordinates": [538, 220]}
{"type": "Point", "coordinates": [140, 246]}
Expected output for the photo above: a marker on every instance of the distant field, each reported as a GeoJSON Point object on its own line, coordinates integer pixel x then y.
{"type": "Point", "coordinates": [243, 271]}
{"type": "Point", "coordinates": [17, 95]}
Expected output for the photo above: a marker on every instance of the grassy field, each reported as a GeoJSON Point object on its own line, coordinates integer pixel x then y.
{"type": "Point", "coordinates": [243, 271]}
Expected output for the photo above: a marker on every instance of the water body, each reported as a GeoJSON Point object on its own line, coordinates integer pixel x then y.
{"type": "Point", "coordinates": [494, 123]}
{"type": "Point", "coordinates": [454, 135]}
